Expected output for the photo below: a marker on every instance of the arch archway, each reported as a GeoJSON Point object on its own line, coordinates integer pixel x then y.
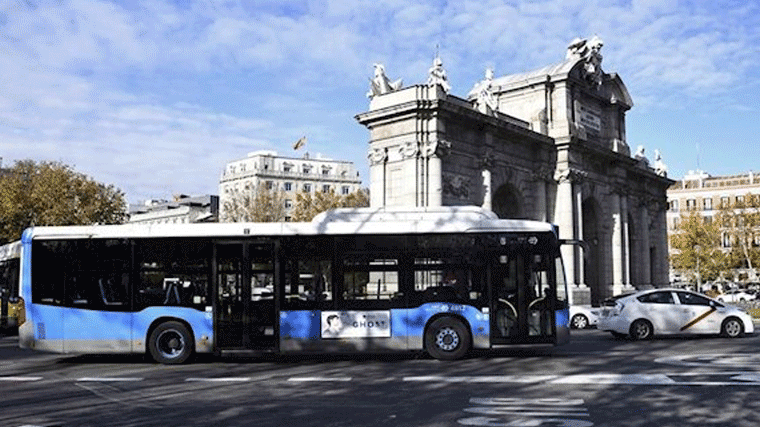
{"type": "Point", "coordinates": [592, 262]}
{"type": "Point", "coordinates": [507, 202]}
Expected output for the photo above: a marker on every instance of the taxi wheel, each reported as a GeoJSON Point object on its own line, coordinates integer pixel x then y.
{"type": "Point", "coordinates": [641, 330]}
{"type": "Point", "coordinates": [579, 321]}
{"type": "Point", "coordinates": [732, 328]}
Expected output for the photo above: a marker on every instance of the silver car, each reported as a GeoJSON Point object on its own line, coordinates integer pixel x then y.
{"type": "Point", "coordinates": [672, 312]}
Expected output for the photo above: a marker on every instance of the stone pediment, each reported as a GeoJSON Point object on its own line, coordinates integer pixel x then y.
{"type": "Point", "coordinates": [611, 86]}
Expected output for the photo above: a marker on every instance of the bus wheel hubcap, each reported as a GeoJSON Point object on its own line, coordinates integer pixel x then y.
{"type": "Point", "coordinates": [447, 339]}
{"type": "Point", "coordinates": [170, 343]}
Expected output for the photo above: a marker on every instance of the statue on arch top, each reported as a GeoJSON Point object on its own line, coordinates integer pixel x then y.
{"type": "Point", "coordinates": [589, 51]}
{"type": "Point", "coordinates": [485, 101]}
{"type": "Point", "coordinates": [437, 75]}
{"type": "Point", "coordinates": [380, 84]}
{"type": "Point", "coordinates": [660, 167]}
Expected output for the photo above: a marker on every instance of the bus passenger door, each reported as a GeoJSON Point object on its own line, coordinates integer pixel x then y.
{"type": "Point", "coordinates": [244, 310]}
{"type": "Point", "coordinates": [520, 305]}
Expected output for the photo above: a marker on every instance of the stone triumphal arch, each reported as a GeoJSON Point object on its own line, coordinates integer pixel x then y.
{"type": "Point", "coordinates": [546, 145]}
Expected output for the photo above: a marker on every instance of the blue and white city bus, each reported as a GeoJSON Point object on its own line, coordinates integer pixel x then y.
{"type": "Point", "coordinates": [443, 280]}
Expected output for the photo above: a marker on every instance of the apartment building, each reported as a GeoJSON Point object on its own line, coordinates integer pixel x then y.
{"type": "Point", "coordinates": [183, 209]}
{"type": "Point", "coordinates": [699, 191]}
{"type": "Point", "coordinates": [291, 175]}
{"type": "Point", "coordinates": [702, 192]}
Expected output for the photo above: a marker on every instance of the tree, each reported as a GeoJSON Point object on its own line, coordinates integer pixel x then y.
{"type": "Point", "coordinates": [261, 205]}
{"type": "Point", "coordinates": [52, 193]}
{"type": "Point", "coordinates": [697, 247]}
{"type": "Point", "coordinates": [308, 206]}
{"type": "Point", "coordinates": [740, 221]}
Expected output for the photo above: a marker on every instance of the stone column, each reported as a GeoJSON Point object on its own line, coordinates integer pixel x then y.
{"type": "Point", "coordinates": [578, 196]}
{"type": "Point", "coordinates": [617, 245]}
{"type": "Point", "coordinates": [541, 177]}
{"type": "Point", "coordinates": [646, 267]}
{"type": "Point", "coordinates": [487, 195]}
{"type": "Point", "coordinates": [377, 161]}
{"type": "Point", "coordinates": [433, 152]}
{"type": "Point", "coordinates": [626, 246]}
{"type": "Point", "coordinates": [412, 194]}
{"type": "Point", "coordinates": [564, 217]}
{"type": "Point", "coordinates": [486, 164]}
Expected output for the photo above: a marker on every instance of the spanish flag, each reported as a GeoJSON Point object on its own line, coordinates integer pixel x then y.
{"type": "Point", "coordinates": [300, 143]}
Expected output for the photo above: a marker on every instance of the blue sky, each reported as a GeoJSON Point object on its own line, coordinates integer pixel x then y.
{"type": "Point", "coordinates": [156, 96]}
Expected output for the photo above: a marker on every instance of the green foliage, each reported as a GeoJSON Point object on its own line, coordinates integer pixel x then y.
{"type": "Point", "coordinates": [261, 205]}
{"type": "Point", "coordinates": [308, 206]}
{"type": "Point", "coordinates": [697, 244]}
{"type": "Point", "coordinates": [52, 193]}
{"type": "Point", "coordinates": [740, 221]}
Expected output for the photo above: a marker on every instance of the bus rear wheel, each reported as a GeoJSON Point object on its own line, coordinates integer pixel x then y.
{"type": "Point", "coordinates": [171, 343]}
{"type": "Point", "coordinates": [447, 339]}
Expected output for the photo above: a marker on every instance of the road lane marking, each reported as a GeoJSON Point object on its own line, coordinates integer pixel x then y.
{"type": "Point", "coordinates": [320, 379]}
{"type": "Point", "coordinates": [219, 380]}
{"type": "Point", "coordinates": [10, 379]}
{"type": "Point", "coordinates": [108, 379]}
{"type": "Point", "coordinates": [527, 379]}
{"type": "Point", "coordinates": [645, 379]}
{"type": "Point", "coordinates": [511, 411]}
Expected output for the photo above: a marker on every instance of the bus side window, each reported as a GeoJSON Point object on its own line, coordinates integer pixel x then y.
{"type": "Point", "coordinates": [368, 278]}
{"type": "Point", "coordinates": [173, 273]}
{"type": "Point", "coordinates": [308, 282]}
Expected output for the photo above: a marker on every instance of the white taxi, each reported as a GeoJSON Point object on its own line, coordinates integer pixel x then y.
{"type": "Point", "coordinates": [671, 312]}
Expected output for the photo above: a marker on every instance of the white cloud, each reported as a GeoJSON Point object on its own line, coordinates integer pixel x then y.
{"type": "Point", "coordinates": [202, 83]}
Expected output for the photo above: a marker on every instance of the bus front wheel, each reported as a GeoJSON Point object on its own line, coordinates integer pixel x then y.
{"type": "Point", "coordinates": [171, 343]}
{"type": "Point", "coordinates": [447, 339]}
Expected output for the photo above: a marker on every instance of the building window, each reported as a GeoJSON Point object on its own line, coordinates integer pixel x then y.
{"type": "Point", "coordinates": [288, 186]}
{"type": "Point", "coordinates": [307, 188]}
{"type": "Point", "coordinates": [707, 204]}
{"type": "Point", "coordinates": [326, 188]}
{"type": "Point", "coordinates": [674, 205]}
{"type": "Point", "coordinates": [345, 190]}
{"type": "Point", "coordinates": [724, 202]}
{"type": "Point", "coordinates": [286, 168]}
{"type": "Point", "coordinates": [288, 204]}
{"type": "Point", "coordinates": [691, 204]}
{"type": "Point", "coordinates": [726, 238]}
{"type": "Point", "coordinates": [740, 200]}
{"type": "Point", "coordinates": [307, 169]}
{"type": "Point", "coordinates": [270, 185]}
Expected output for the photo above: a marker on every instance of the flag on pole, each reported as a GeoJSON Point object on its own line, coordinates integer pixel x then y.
{"type": "Point", "coordinates": [300, 143]}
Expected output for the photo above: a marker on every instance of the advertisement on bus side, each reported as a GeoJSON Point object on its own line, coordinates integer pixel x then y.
{"type": "Point", "coordinates": [356, 324]}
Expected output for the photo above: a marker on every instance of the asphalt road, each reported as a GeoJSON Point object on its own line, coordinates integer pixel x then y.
{"type": "Point", "coordinates": [594, 381]}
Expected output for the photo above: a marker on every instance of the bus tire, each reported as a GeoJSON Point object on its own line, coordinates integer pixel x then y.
{"type": "Point", "coordinates": [447, 339]}
{"type": "Point", "coordinates": [171, 343]}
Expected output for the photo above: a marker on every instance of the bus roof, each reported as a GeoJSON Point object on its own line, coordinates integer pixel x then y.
{"type": "Point", "coordinates": [455, 219]}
